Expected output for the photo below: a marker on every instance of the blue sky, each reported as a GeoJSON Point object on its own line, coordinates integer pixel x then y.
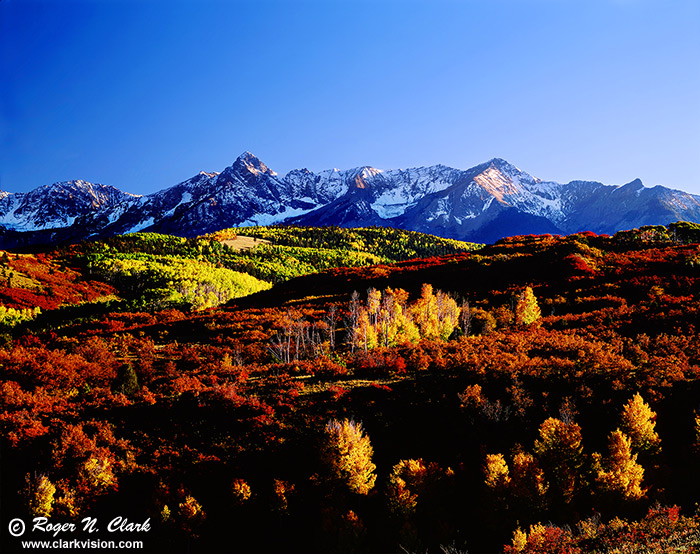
{"type": "Point", "coordinates": [144, 94]}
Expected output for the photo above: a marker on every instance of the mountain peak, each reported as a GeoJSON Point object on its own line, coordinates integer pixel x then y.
{"type": "Point", "coordinates": [502, 165]}
{"type": "Point", "coordinates": [77, 186]}
{"type": "Point", "coordinates": [636, 184]}
{"type": "Point", "coordinates": [497, 161]}
{"type": "Point", "coordinates": [247, 155]}
{"type": "Point", "coordinates": [366, 171]}
{"type": "Point", "coordinates": [252, 163]}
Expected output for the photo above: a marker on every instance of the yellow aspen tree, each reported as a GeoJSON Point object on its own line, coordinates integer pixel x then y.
{"type": "Point", "coordinates": [472, 397]}
{"type": "Point", "coordinates": [165, 513]}
{"type": "Point", "coordinates": [403, 499]}
{"type": "Point", "coordinates": [542, 538]}
{"type": "Point", "coordinates": [482, 322]}
{"type": "Point", "coordinates": [400, 297]}
{"type": "Point", "coordinates": [352, 321]}
{"type": "Point", "coordinates": [621, 474]}
{"type": "Point", "coordinates": [497, 475]}
{"type": "Point", "coordinates": [97, 472]}
{"type": "Point", "coordinates": [189, 508]}
{"type": "Point", "coordinates": [282, 492]}
{"type": "Point", "coordinates": [366, 336]}
{"type": "Point", "coordinates": [448, 312]}
{"type": "Point", "coordinates": [408, 330]}
{"type": "Point", "coordinates": [374, 302]}
{"type": "Point", "coordinates": [241, 491]}
{"type": "Point", "coordinates": [425, 313]}
{"type": "Point", "coordinates": [639, 422]}
{"type": "Point", "coordinates": [559, 451]}
{"type": "Point", "coordinates": [519, 541]}
{"type": "Point", "coordinates": [397, 325]}
{"type": "Point", "coordinates": [527, 479]}
{"type": "Point", "coordinates": [388, 312]}
{"type": "Point", "coordinates": [350, 531]}
{"type": "Point", "coordinates": [39, 493]}
{"type": "Point", "coordinates": [68, 504]}
{"type": "Point", "coordinates": [409, 481]}
{"type": "Point", "coordinates": [527, 310]}
{"type": "Point", "coordinates": [191, 514]}
{"type": "Point", "coordinates": [347, 453]}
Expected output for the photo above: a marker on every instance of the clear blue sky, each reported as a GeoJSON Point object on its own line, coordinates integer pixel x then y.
{"type": "Point", "coordinates": [144, 94]}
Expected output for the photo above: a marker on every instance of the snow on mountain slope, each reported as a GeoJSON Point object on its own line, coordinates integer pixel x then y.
{"type": "Point", "coordinates": [485, 202]}
{"type": "Point", "coordinates": [246, 193]}
{"type": "Point", "coordinates": [58, 205]}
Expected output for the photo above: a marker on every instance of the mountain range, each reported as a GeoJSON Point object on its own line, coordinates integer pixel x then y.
{"type": "Point", "coordinates": [481, 204]}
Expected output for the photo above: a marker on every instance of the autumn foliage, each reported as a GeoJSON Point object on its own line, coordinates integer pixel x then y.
{"type": "Point", "coordinates": [536, 395]}
{"type": "Point", "coordinates": [347, 454]}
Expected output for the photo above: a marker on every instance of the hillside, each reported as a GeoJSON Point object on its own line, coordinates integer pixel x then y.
{"type": "Point", "coordinates": [539, 393]}
{"type": "Point", "coordinates": [150, 271]}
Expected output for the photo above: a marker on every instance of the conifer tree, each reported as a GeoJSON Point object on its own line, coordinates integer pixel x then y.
{"type": "Point", "coordinates": [126, 381]}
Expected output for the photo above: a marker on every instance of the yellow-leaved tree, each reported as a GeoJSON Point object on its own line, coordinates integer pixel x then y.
{"type": "Point", "coordinates": [191, 515]}
{"type": "Point", "coordinates": [559, 451]}
{"type": "Point", "coordinates": [396, 325]}
{"type": "Point", "coordinates": [528, 482]}
{"type": "Point", "coordinates": [411, 480]}
{"type": "Point", "coordinates": [638, 423]}
{"type": "Point", "coordinates": [39, 493]}
{"type": "Point", "coordinates": [415, 491]}
{"type": "Point", "coordinates": [620, 474]}
{"type": "Point", "coordinates": [497, 474]}
{"type": "Point", "coordinates": [436, 314]}
{"type": "Point", "coordinates": [527, 310]}
{"type": "Point", "coordinates": [524, 482]}
{"type": "Point", "coordinates": [241, 491]}
{"type": "Point", "coordinates": [347, 454]}
{"type": "Point", "coordinates": [97, 473]}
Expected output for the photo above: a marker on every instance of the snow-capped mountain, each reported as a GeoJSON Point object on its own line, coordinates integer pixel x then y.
{"type": "Point", "coordinates": [58, 205]}
{"type": "Point", "coordinates": [496, 199]}
{"type": "Point", "coordinates": [481, 204]}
